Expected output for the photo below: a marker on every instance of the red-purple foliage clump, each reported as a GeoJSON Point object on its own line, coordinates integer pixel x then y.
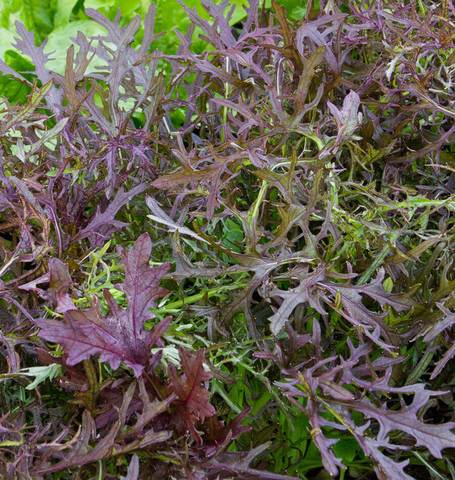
{"type": "Point", "coordinates": [306, 167]}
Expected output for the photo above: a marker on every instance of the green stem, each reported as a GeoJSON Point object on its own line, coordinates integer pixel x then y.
{"type": "Point", "coordinates": [92, 383]}
{"type": "Point", "coordinates": [178, 304]}
{"type": "Point", "coordinates": [420, 368]}
{"type": "Point", "coordinates": [377, 262]}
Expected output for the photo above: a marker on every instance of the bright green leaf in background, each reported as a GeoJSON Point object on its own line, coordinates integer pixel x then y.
{"type": "Point", "coordinates": [41, 374]}
{"type": "Point", "coordinates": [61, 39]}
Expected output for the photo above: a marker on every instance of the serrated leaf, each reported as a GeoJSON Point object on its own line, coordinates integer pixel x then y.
{"type": "Point", "coordinates": [119, 336]}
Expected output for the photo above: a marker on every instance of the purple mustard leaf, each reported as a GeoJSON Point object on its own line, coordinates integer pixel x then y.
{"type": "Point", "coordinates": [193, 399]}
{"type": "Point", "coordinates": [59, 281]}
{"type": "Point", "coordinates": [25, 43]}
{"type": "Point", "coordinates": [103, 224]}
{"type": "Point", "coordinates": [149, 25]}
{"type": "Point", "coordinates": [133, 469]}
{"type": "Point", "coordinates": [222, 21]}
{"type": "Point", "coordinates": [59, 284]}
{"type": "Point", "coordinates": [238, 463]}
{"type": "Point", "coordinates": [370, 323]}
{"type": "Point", "coordinates": [305, 292]}
{"type": "Point", "coordinates": [439, 367]}
{"type": "Point", "coordinates": [142, 283]}
{"type": "Point", "coordinates": [209, 29]}
{"type": "Point", "coordinates": [324, 38]}
{"type": "Point", "coordinates": [447, 322]}
{"type": "Point", "coordinates": [431, 333]}
{"type": "Point", "coordinates": [314, 287]}
{"type": "Point", "coordinates": [8, 351]}
{"type": "Point", "coordinates": [313, 409]}
{"type": "Point", "coordinates": [79, 453]}
{"type": "Point", "coordinates": [385, 467]}
{"type": "Point", "coordinates": [329, 460]}
{"type": "Point", "coordinates": [358, 314]}
{"type": "Point", "coordinates": [32, 286]}
{"type": "Point", "coordinates": [375, 290]}
{"type": "Point", "coordinates": [348, 118]}
{"type": "Point", "coordinates": [435, 438]}
{"type": "Point", "coordinates": [119, 336]}
{"type": "Point", "coordinates": [323, 385]}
